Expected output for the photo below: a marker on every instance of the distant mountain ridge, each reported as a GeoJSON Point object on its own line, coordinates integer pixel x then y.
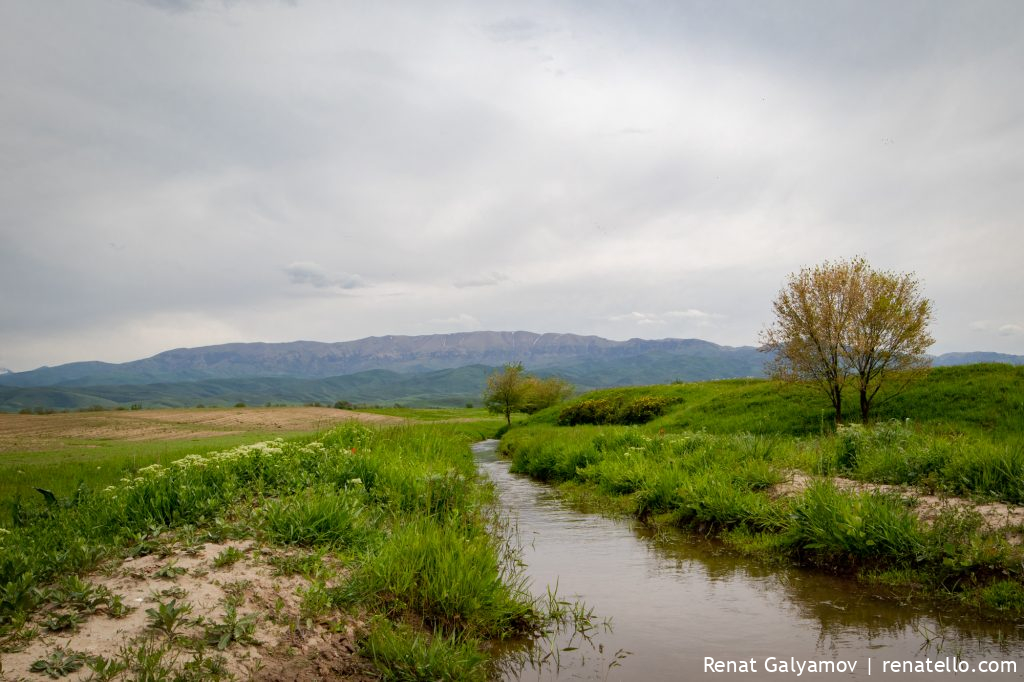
{"type": "Point", "coordinates": [312, 360]}
{"type": "Point", "coordinates": [951, 359]}
{"type": "Point", "coordinates": [434, 370]}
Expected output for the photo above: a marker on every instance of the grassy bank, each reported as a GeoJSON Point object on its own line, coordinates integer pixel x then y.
{"type": "Point", "coordinates": [722, 457]}
{"type": "Point", "coordinates": [390, 528]}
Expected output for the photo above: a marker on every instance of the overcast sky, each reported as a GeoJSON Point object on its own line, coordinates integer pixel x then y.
{"type": "Point", "coordinates": [187, 172]}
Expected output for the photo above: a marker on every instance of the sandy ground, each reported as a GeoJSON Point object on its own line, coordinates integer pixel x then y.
{"type": "Point", "coordinates": [289, 645]}
{"type": "Point", "coordinates": [30, 432]}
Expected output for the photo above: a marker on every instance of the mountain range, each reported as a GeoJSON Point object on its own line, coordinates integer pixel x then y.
{"type": "Point", "coordinates": [438, 369]}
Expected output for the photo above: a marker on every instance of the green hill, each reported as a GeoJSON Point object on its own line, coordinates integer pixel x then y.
{"type": "Point", "coordinates": [989, 397]}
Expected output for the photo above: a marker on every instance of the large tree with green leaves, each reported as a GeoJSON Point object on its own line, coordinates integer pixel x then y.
{"type": "Point", "coordinates": [845, 322]}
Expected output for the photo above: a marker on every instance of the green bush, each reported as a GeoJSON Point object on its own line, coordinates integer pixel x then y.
{"type": "Point", "coordinates": [595, 411]}
{"type": "Point", "coordinates": [639, 410]}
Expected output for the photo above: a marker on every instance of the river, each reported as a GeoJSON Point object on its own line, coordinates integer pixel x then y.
{"type": "Point", "coordinates": [673, 606]}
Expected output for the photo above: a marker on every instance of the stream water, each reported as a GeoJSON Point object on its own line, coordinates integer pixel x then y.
{"type": "Point", "coordinates": [672, 601]}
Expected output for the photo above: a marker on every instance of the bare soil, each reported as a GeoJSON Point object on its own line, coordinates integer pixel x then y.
{"type": "Point", "coordinates": [31, 432]}
{"type": "Point", "coordinates": [290, 645]}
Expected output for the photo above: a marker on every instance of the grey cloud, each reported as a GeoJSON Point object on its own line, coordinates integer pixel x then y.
{"type": "Point", "coordinates": [642, 318]}
{"type": "Point", "coordinates": [490, 280]}
{"type": "Point", "coordinates": [161, 163]}
{"type": "Point", "coordinates": [514, 29]}
{"type": "Point", "coordinates": [173, 6]}
{"type": "Point", "coordinates": [999, 328]}
{"type": "Point", "coordinates": [319, 277]}
{"type": "Point", "coordinates": [179, 6]}
{"type": "Point", "coordinates": [463, 321]}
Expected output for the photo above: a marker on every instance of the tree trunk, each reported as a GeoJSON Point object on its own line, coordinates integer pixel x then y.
{"type": "Point", "coordinates": [837, 401]}
{"type": "Point", "coordinates": [865, 405]}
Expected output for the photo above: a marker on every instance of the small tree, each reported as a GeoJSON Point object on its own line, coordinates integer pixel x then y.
{"type": "Point", "coordinates": [541, 393]}
{"type": "Point", "coordinates": [812, 312]}
{"type": "Point", "coordinates": [505, 390]}
{"type": "Point", "coordinates": [888, 337]}
{"type": "Point", "coordinates": [512, 390]}
{"type": "Point", "coordinates": [844, 321]}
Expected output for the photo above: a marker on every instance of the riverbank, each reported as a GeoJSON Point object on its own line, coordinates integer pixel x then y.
{"type": "Point", "coordinates": [783, 498]}
{"type": "Point", "coordinates": [358, 553]}
{"type": "Point", "coordinates": [673, 598]}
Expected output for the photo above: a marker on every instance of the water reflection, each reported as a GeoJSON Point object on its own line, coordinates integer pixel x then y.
{"type": "Point", "coordinates": [674, 600]}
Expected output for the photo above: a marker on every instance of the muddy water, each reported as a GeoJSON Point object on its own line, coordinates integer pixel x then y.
{"type": "Point", "coordinates": [675, 601]}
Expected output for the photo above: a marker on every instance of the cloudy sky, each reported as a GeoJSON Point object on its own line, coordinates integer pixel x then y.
{"type": "Point", "coordinates": [190, 172]}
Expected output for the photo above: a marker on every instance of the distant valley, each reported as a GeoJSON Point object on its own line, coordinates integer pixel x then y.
{"type": "Point", "coordinates": [431, 370]}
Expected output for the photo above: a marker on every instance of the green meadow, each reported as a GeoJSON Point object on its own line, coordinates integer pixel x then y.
{"type": "Point", "coordinates": [96, 463]}
{"type": "Point", "coordinates": [721, 457]}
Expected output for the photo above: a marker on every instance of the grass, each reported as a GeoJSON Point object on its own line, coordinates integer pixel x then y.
{"type": "Point", "coordinates": [404, 654]}
{"type": "Point", "coordinates": [319, 516]}
{"type": "Point", "coordinates": [711, 462]}
{"type": "Point", "coordinates": [97, 463]}
{"type": "Point", "coordinates": [986, 398]}
{"type": "Point", "coordinates": [447, 575]}
{"type": "Point", "coordinates": [400, 508]}
{"type": "Point", "coordinates": [431, 413]}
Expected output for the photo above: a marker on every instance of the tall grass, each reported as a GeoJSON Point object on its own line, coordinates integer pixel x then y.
{"type": "Point", "coordinates": [837, 524]}
{"type": "Point", "coordinates": [403, 505]}
{"type": "Point", "coordinates": [404, 654]}
{"type": "Point", "coordinates": [448, 576]}
{"type": "Point", "coordinates": [318, 517]}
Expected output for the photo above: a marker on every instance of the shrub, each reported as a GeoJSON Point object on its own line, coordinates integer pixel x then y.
{"type": "Point", "coordinates": [605, 411]}
{"type": "Point", "coordinates": [594, 411]}
{"type": "Point", "coordinates": [849, 439]}
{"type": "Point", "coordinates": [641, 410]}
